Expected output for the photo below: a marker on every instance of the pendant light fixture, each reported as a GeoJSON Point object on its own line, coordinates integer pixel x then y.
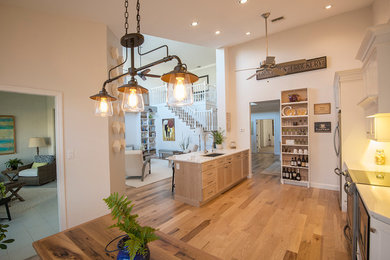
{"type": "Point", "coordinates": [179, 80]}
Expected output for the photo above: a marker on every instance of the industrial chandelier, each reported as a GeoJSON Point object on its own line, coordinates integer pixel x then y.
{"type": "Point", "coordinates": [179, 80]}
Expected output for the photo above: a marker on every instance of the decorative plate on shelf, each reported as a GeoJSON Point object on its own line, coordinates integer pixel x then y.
{"type": "Point", "coordinates": [302, 111]}
{"type": "Point", "coordinates": [288, 111]}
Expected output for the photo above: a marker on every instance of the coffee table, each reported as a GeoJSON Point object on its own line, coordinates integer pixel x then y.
{"type": "Point", "coordinates": [14, 187]}
{"type": "Point", "coordinates": [7, 173]}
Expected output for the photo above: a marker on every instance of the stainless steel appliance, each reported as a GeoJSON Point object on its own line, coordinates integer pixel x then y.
{"type": "Point", "coordinates": [338, 170]}
{"type": "Point", "coordinates": [357, 229]}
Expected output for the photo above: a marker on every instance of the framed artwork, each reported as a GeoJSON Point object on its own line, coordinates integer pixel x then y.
{"type": "Point", "coordinates": [322, 127]}
{"type": "Point", "coordinates": [7, 135]}
{"type": "Point", "coordinates": [322, 109]}
{"type": "Point", "coordinates": [168, 129]}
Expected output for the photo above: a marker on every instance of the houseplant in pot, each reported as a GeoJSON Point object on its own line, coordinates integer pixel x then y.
{"type": "Point", "coordinates": [218, 138]}
{"type": "Point", "coordinates": [133, 245]}
{"type": "Point", "coordinates": [12, 164]}
{"type": "Point", "coordinates": [3, 230]}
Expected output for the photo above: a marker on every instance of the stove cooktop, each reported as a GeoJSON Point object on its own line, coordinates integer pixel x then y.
{"type": "Point", "coordinates": [370, 178]}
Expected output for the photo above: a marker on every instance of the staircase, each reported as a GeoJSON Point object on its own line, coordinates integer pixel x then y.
{"type": "Point", "coordinates": [201, 114]}
{"type": "Point", "coordinates": [206, 119]}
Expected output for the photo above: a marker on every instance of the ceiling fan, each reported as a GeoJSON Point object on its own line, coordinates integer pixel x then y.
{"type": "Point", "coordinates": [269, 63]}
{"type": "Point", "coordinates": [145, 73]}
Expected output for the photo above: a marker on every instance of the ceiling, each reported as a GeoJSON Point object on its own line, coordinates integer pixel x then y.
{"type": "Point", "coordinates": [265, 106]}
{"type": "Point", "coordinates": [171, 19]}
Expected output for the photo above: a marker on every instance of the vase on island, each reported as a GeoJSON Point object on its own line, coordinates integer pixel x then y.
{"type": "Point", "coordinates": [219, 146]}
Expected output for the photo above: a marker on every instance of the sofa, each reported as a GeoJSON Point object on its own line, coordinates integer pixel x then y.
{"type": "Point", "coordinates": [39, 175]}
{"type": "Point", "coordinates": [135, 165]}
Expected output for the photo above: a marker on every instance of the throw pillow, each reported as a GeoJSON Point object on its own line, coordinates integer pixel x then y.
{"type": "Point", "coordinates": [37, 164]}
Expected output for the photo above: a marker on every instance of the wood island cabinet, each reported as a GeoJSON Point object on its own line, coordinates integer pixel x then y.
{"type": "Point", "coordinates": [198, 183]}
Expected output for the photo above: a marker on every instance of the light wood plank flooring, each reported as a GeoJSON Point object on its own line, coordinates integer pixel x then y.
{"type": "Point", "coordinates": [265, 164]}
{"type": "Point", "coordinates": [257, 219]}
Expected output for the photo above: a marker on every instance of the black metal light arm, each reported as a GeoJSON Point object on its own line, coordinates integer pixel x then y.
{"type": "Point", "coordinates": [157, 62]}
{"type": "Point", "coordinates": [155, 49]}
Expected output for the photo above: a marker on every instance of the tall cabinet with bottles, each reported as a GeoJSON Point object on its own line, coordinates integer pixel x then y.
{"type": "Point", "coordinates": [148, 131]}
{"type": "Point", "coordinates": [295, 145]}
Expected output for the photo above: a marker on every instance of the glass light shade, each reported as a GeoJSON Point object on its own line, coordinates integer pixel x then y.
{"type": "Point", "coordinates": [103, 107]}
{"type": "Point", "coordinates": [132, 100]}
{"type": "Point", "coordinates": [179, 90]}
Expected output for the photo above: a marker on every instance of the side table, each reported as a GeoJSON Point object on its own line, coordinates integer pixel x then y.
{"type": "Point", "coordinates": [14, 187]}
{"type": "Point", "coordinates": [7, 173]}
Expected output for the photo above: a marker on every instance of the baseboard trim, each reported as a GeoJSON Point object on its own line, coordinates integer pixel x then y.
{"type": "Point", "coordinates": [324, 186]}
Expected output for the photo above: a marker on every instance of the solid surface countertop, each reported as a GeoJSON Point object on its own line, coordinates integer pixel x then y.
{"type": "Point", "coordinates": [199, 157]}
{"type": "Point", "coordinates": [377, 201]}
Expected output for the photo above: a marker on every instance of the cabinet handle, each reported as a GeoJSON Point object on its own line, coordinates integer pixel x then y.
{"type": "Point", "coordinates": [347, 236]}
{"type": "Point", "coordinates": [373, 230]}
{"type": "Point", "coordinates": [210, 192]}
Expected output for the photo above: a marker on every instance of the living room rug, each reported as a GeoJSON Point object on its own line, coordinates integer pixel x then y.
{"type": "Point", "coordinates": [33, 196]}
{"type": "Point", "coordinates": [160, 171]}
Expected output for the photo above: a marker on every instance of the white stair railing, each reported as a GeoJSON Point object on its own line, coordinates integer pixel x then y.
{"type": "Point", "coordinates": [202, 93]}
{"type": "Point", "coordinates": [197, 118]}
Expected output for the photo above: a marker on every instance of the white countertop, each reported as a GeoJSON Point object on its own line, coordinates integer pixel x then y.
{"type": "Point", "coordinates": [198, 157]}
{"type": "Point", "coordinates": [377, 201]}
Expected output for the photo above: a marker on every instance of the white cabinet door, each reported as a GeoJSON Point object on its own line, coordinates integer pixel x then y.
{"type": "Point", "coordinates": [379, 240]}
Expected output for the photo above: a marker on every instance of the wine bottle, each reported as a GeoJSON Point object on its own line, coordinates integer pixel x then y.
{"type": "Point", "coordinates": [294, 174]}
{"type": "Point", "coordinates": [299, 162]}
{"type": "Point", "coordinates": [284, 173]}
{"type": "Point", "coordinates": [303, 161]}
{"type": "Point", "coordinates": [290, 174]}
{"type": "Point", "coordinates": [292, 161]}
{"type": "Point", "coordinates": [298, 176]}
{"type": "Point", "coordinates": [307, 161]}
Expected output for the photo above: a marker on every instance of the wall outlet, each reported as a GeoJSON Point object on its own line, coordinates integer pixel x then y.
{"type": "Point", "coordinates": [242, 130]}
{"type": "Point", "coordinates": [70, 154]}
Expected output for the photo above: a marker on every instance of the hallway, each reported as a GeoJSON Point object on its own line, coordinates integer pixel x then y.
{"type": "Point", "coordinates": [266, 163]}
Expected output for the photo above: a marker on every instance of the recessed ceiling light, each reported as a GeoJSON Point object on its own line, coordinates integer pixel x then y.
{"type": "Point", "coordinates": [218, 32]}
{"type": "Point", "coordinates": [194, 23]}
{"type": "Point", "coordinates": [248, 33]}
{"type": "Point", "coordinates": [328, 6]}
{"type": "Point", "coordinates": [242, 1]}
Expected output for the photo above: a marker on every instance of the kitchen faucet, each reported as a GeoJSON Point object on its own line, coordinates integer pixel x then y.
{"type": "Point", "coordinates": [205, 137]}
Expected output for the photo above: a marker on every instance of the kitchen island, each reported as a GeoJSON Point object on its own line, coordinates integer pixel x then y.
{"type": "Point", "coordinates": [201, 177]}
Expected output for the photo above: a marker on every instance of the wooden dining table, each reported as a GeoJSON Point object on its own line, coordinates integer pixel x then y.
{"type": "Point", "coordinates": [88, 241]}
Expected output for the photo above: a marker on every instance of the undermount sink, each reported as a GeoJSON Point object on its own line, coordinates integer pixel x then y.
{"type": "Point", "coordinates": [213, 154]}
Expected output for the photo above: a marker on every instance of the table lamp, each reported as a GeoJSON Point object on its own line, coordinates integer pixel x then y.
{"type": "Point", "coordinates": [37, 142]}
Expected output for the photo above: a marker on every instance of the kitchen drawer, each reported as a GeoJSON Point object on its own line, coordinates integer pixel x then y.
{"type": "Point", "coordinates": [209, 177]}
{"type": "Point", "coordinates": [237, 156]}
{"type": "Point", "coordinates": [209, 191]}
{"type": "Point", "coordinates": [245, 154]}
{"type": "Point", "coordinates": [229, 158]}
{"type": "Point", "coordinates": [208, 166]}
{"type": "Point", "coordinates": [220, 162]}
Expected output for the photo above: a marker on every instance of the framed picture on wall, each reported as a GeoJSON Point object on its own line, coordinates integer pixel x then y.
{"type": "Point", "coordinates": [168, 129]}
{"type": "Point", "coordinates": [7, 135]}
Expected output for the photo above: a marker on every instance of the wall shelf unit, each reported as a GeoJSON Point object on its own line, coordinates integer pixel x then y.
{"type": "Point", "coordinates": [148, 132]}
{"type": "Point", "coordinates": [295, 152]}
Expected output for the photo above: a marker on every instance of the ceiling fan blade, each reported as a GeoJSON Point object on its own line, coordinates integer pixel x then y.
{"type": "Point", "coordinates": [152, 76]}
{"type": "Point", "coordinates": [257, 73]}
{"type": "Point", "coordinates": [246, 69]}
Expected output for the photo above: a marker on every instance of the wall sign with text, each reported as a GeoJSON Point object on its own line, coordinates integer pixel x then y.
{"type": "Point", "coordinates": [322, 127]}
{"type": "Point", "coordinates": [322, 109]}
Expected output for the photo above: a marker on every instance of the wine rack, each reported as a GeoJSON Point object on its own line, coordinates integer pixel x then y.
{"type": "Point", "coordinates": [295, 145]}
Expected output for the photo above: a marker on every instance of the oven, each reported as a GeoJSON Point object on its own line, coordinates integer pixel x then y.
{"type": "Point", "coordinates": [363, 234]}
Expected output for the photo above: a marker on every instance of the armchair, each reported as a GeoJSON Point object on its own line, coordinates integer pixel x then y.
{"type": "Point", "coordinates": [135, 165]}
{"type": "Point", "coordinates": [39, 175]}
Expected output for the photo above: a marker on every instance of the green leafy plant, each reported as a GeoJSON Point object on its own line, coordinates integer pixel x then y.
{"type": "Point", "coordinates": [218, 136]}
{"type": "Point", "coordinates": [3, 227]}
{"type": "Point", "coordinates": [13, 163]}
{"type": "Point", "coordinates": [138, 236]}
{"type": "Point", "coordinates": [3, 236]}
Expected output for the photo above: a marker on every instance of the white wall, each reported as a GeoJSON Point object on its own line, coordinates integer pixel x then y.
{"type": "Point", "coordinates": [67, 55]}
{"type": "Point", "coordinates": [266, 115]}
{"type": "Point", "coordinates": [381, 11]}
{"type": "Point", "coordinates": [31, 120]}
{"type": "Point", "coordinates": [338, 38]}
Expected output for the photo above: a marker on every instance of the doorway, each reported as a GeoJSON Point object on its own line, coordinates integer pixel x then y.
{"type": "Point", "coordinates": [265, 137]}
{"type": "Point", "coordinates": [43, 211]}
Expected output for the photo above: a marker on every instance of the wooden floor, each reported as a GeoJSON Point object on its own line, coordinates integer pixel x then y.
{"type": "Point", "coordinates": [263, 163]}
{"type": "Point", "coordinates": [257, 219]}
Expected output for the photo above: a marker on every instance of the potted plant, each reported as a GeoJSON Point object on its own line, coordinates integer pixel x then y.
{"type": "Point", "coordinates": [133, 245]}
{"type": "Point", "coordinates": [218, 138]}
{"type": "Point", "coordinates": [3, 227]}
{"type": "Point", "coordinates": [13, 164]}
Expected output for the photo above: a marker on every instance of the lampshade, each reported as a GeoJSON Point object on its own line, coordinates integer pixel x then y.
{"type": "Point", "coordinates": [132, 100]}
{"type": "Point", "coordinates": [103, 103]}
{"type": "Point", "coordinates": [179, 89]}
{"type": "Point", "coordinates": [36, 142]}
